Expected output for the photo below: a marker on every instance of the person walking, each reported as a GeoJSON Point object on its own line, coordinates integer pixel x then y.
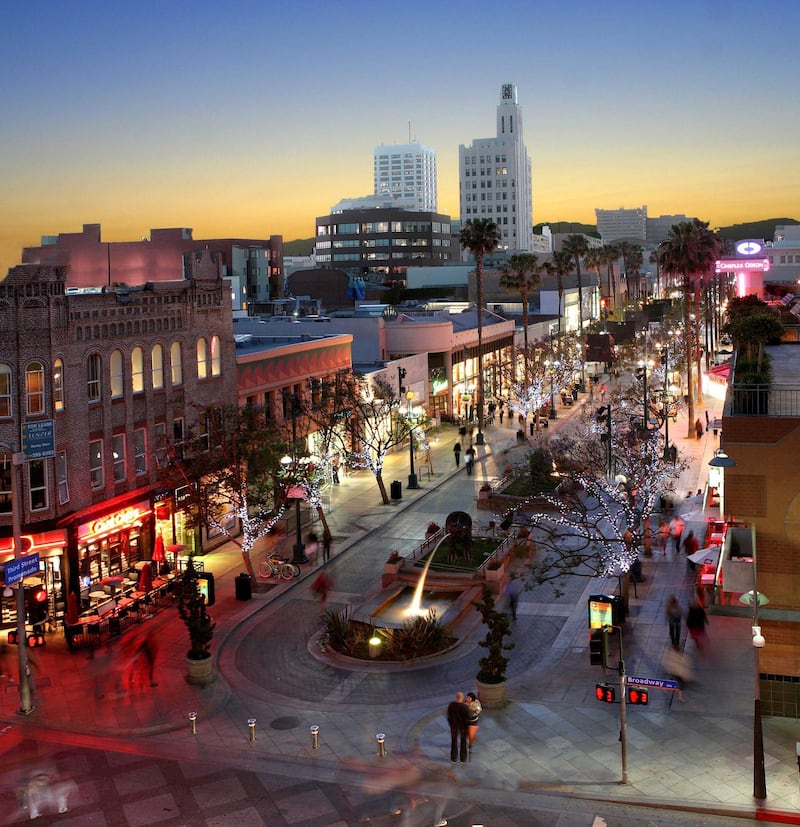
{"type": "Point", "coordinates": [696, 620]}
{"type": "Point", "coordinates": [512, 591]}
{"type": "Point", "coordinates": [326, 546]}
{"type": "Point", "coordinates": [469, 460]}
{"type": "Point", "coordinates": [335, 469]}
{"type": "Point", "coordinates": [676, 526]}
{"type": "Point", "coordinates": [674, 615]}
{"type": "Point", "coordinates": [502, 412]}
{"type": "Point", "coordinates": [457, 453]}
{"type": "Point", "coordinates": [690, 545]}
{"type": "Point", "coordinates": [458, 716]}
{"type": "Point", "coordinates": [475, 709]}
{"type": "Point", "coordinates": [663, 536]}
{"type": "Point", "coordinates": [698, 427]}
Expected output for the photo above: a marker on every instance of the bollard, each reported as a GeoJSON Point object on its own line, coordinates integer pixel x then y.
{"type": "Point", "coordinates": [193, 723]}
{"type": "Point", "coordinates": [381, 739]}
{"type": "Point", "coordinates": [314, 737]}
{"type": "Point", "coordinates": [251, 722]}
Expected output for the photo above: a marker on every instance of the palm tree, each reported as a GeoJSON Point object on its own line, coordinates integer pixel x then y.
{"type": "Point", "coordinates": [523, 272]}
{"type": "Point", "coordinates": [610, 256]}
{"type": "Point", "coordinates": [479, 236]}
{"type": "Point", "coordinates": [632, 258]}
{"type": "Point", "coordinates": [690, 250]}
{"type": "Point", "coordinates": [576, 246]}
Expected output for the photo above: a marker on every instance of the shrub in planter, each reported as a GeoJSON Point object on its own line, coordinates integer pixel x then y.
{"type": "Point", "coordinates": [494, 663]}
{"type": "Point", "coordinates": [432, 528]}
{"type": "Point", "coordinates": [192, 610]}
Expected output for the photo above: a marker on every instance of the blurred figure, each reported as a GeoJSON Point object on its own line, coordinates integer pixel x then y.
{"type": "Point", "coordinates": [696, 620]}
{"type": "Point", "coordinates": [321, 586]}
{"type": "Point", "coordinates": [674, 615]}
{"type": "Point", "coordinates": [43, 791]}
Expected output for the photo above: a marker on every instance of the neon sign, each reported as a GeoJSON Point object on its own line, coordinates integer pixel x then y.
{"type": "Point", "coordinates": [124, 518]}
{"type": "Point", "coordinates": [761, 264]}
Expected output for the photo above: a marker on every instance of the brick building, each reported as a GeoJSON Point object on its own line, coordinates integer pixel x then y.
{"type": "Point", "coordinates": [111, 374]}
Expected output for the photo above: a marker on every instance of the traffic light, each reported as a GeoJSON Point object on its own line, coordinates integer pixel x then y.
{"type": "Point", "coordinates": [637, 695]}
{"type": "Point", "coordinates": [605, 692]}
{"type": "Point", "coordinates": [598, 648]}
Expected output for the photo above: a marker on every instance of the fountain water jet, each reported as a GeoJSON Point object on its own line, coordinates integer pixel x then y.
{"type": "Point", "coordinates": [415, 609]}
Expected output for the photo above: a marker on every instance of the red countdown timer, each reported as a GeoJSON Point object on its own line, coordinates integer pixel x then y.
{"type": "Point", "coordinates": [604, 692]}
{"type": "Point", "coordinates": [638, 696]}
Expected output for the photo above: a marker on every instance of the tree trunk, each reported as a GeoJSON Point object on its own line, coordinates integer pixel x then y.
{"type": "Point", "coordinates": [687, 328]}
{"type": "Point", "coordinates": [382, 488]}
{"type": "Point", "coordinates": [324, 520]}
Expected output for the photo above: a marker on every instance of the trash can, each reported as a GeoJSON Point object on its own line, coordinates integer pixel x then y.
{"type": "Point", "coordinates": [244, 586]}
{"type": "Point", "coordinates": [396, 489]}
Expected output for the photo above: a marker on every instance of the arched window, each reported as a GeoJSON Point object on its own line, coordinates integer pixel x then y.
{"type": "Point", "coordinates": [34, 388]}
{"type": "Point", "coordinates": [6, 470]}
{"type": "Point", "coordinates": [202, 358]}
{"type": "Point", "coordinates": [157, 366]}
{"type": "Point", "coordinates": [94, 377]}
{"type": "Point", "coordinates": [216, 357]}
{"type": "Point", "coordinates": [137, 370]}
{"type": "Point", "coordinates": [117, 379]}
{"type": "Point", "coordinates": [6, 408]}
{"type": "Point", "coordinates": [58, 385]}
{"type": "Point", "coordinates": [176, 363]}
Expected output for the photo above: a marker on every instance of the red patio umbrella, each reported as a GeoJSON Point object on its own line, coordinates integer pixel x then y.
{"type": "Point", "coordinates": [146, 578]}
{"type": "Point", "coordinates": [158, 552]}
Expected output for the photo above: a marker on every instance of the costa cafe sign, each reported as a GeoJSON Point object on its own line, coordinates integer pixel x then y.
{"type": "Point", "coordinates": [739, 265]}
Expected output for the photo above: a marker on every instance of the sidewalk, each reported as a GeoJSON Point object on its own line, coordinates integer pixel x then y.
{"type": "Point", "coordinates": [552, 738]}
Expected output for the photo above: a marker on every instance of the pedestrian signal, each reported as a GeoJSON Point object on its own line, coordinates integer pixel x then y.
{"type": "Point", "coordinates": [598, 652]}
{"type": "Point", "coordinates": [605, 692]}
{"type": "Point", "coordinates": [637, 695]}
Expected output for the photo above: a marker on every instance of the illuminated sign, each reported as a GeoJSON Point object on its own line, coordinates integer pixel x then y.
{"type": "Point", "coordinates": [124, 518]}
{"type": "Point", "coordinates": [751, 247]}
{"type": "Point", "coordinates": [761, 264]}
{"type": "Point", "coordinates": [600, 613]}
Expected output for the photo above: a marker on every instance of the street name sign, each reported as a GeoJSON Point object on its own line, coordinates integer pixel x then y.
{"type": "Point", "coordinates": [656, 683]}
{"type": "Point", "coordinates": [17, 570]}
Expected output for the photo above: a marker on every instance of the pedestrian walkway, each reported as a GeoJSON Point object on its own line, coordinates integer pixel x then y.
{"type": "Point", "coordinates": [553, 737]}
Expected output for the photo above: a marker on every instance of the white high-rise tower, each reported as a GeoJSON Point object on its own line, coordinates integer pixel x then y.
{"type": "Point", "coordinates": [407, 172]}
{"type": "Point", "coordinates": [495, 177]}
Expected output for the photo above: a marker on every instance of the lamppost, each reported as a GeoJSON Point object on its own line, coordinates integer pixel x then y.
{"type": "Point", "coordinates": [664, 352]}
{"type": "Point", "coordinates": [641, 372]}
{"type": "Point", "coordinates": [295, 492]}
{"type": "Point", "coordinates": [551, 371]}
{"type": "Point", "coordinates": [579, 347]}
{"type": "Point", "coordinates": [755, 599]}
{"type": "Point", "coordinates": [412, 477]}
{"type": "Point", "coordinates": [25, 696]}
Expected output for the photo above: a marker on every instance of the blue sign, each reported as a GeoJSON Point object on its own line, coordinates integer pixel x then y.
{"type": "Point", "coordinates": [38, 439]}
{"type": "Point", "coordinates": [17, 570]}
{"type": "Point", "coordinates": [656, 683]}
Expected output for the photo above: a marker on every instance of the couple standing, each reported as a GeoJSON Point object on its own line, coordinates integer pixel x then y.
{"type": "Point", "coordinates": [462, 718]}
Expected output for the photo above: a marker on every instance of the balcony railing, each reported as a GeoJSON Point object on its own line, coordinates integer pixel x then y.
{"type": "Point", "coordinates": [763, 400]}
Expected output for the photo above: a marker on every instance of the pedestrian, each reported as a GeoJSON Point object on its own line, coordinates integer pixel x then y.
{"type": "Point", "coordinates": [663, 536]}
{"type": "Point", "coordinates": [674, 615]}
{"type": "Point", "coordinates": [676, 526]}
{"type": "Point", "coordinates": [677, 664]}
{"type": "Point", "coordinates": [458, 716]}
{"type": "Point", "coordinates": [708, 421]}
{"type": "Point", "coordinates": [512, 591]}
{"type": "Point", "coordinates": [457, 453]}
{"type": "Point", "coordinates": [326, 546]}
{"type": "Point", "coordinates": [696, 620]}
{"type": "Point", "coordinates": [502, 412]}
{"type": "Point", "coordinates": [146, 653]}
{"type": "Point", "coordinates": [690, 546]}
{"type": "Point", "coordinates": [698, 427]}
{"type": "Point", "coordinates": [312, 547]}
{"type": "Point", "coordinates": [475, 709]}
{"type": "Point", "coordinates": [321, 587]}
{"type": "Point", "coordinates": [469, 460]}
{"type": "Point", "coordinates": [673, 453]}
{"type": "Point", "coordinates": [335, 469]}
{"type": "Point", "coordinates": [603, 392]}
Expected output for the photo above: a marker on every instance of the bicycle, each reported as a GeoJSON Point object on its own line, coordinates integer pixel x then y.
{"type": "Point", "coordinates": [275, 567]}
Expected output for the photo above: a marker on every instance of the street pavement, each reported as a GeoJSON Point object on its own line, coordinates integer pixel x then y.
{"type": "Point", "coordinates": [553, 749]}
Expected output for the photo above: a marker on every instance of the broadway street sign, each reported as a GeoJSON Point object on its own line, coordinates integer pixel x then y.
{"type": "Point", "coordinates": [655, 683]}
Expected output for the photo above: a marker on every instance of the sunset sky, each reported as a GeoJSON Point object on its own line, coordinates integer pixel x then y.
{"type": "Point", "coordinates": [252, 118]}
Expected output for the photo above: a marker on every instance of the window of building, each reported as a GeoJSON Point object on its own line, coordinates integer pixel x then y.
{"type": "Point", "coordinates": [140, 451]}
{"type": "Point", "coordinates": [6, 469]}
{"type": "Point", "coordinates": [137, 370]}
{"type": "Point", "coordinates": [34, 389]}
{"type": "Point", "coordinates": [118, 454]}
{"type": "Point", "coordinates": [176, 363]}
{"type": "Point", "coordinates": [96, 463]}
{"type": "Point", "coordinates": [202, 358]}
{"type": "Point", "coordinates": [157, 366]}
{"type": "Point", "coordinates": [117, 386]}
{"type": "Point", "coordinates": [61, 473]}
{"type": "Point", "coordinates": [37, 484]}
{"type": "Point", "coordinates": [94, 377]}
{"type": "Point", "coordinates": [6, 408]}
{"type": "Point", "coordinates": [216, 357]}
{"type": "Point", "coordinates": [58, 385]}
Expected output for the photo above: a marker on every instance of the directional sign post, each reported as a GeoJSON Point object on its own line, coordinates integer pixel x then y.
{"type": "Point", "coordinates": [22, 567]}
{"type": "Point", "coordinates": [654, 683]}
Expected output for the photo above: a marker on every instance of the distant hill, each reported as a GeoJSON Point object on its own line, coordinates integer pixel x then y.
{"type": "Point", "coordinates": [754, 229]}
{"type": "Point", "coordinates": [298, 247]}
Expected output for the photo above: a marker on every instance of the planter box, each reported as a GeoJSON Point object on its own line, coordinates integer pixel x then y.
{"type": "Point", "coordinates": [492, 695]}
{"type": "Point", "coordinates": [200, 672]}
{"type": "Point", "coordinates": [495, 575]}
